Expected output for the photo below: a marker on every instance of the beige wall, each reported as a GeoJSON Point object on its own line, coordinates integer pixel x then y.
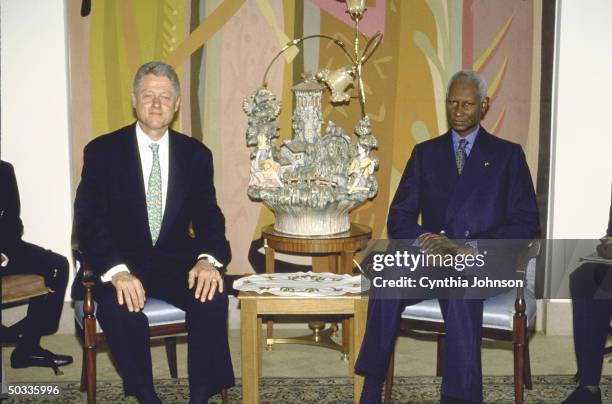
{"type": "Point", "coordinates": [34, 121]}
{"type": "Point", "coordinates": [581, 169]}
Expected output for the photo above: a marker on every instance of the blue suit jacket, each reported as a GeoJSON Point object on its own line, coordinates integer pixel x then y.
{"type": "Point", "coordinates": [492, 198]}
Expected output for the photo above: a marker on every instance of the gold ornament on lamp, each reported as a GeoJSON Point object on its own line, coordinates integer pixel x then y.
{"type": "Point", "coordinates": [355, 8]}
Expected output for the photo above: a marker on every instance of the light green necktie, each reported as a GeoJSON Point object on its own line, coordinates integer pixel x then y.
{"type": "Point", "coordinates": [154, 195]}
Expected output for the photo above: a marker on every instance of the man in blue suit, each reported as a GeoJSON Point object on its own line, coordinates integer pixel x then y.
{"type": "Point", "coordinates": [148, 222]}
{"type": "Point", "coordinates": [465, 184]}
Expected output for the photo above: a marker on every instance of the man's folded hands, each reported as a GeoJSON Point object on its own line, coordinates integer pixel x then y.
{"type": "Point", "coordinates": [440, 244]}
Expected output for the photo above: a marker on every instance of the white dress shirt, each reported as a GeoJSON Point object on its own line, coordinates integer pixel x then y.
{"type": "Point", "coordinates": [146, 161]}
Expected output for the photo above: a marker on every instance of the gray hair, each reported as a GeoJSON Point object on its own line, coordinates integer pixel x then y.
{"type": "Point", "coordinates": [472, 76]}
{"type": "Point", "coordinates": [157, 69]}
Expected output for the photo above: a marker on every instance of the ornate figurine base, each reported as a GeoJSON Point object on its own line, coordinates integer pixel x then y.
{"type": "Point", "coordinates": [300, 221]}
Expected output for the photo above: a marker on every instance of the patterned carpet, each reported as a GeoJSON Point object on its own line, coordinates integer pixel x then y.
{"type": "Point", "coordinates": [498, 389]}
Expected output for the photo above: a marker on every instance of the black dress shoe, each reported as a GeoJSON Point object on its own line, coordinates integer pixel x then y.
{"type": "Point", "coordinates": [39, 358]}
{"type": "Point", "coordinates": [582, 395]}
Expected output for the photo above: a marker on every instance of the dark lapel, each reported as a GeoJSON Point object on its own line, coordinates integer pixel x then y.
{"type": "Point", "coordinates": [447, 165]}
{"type": "Point", "coordinates": [479, 164]}
{"type": "Point", "coordinates": [176, 183]}
{"type": "Point", "coordinates": [133, 177]}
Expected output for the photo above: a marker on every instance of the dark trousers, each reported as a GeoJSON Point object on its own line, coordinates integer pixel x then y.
{"type": "Point", "coordinates": [591, 289]}
{"type": "Point", "coordinates": [208, 355]}
{"type": "Point", "coordinates": [43, 311]}
{"type": "Point", "coordinates": [462, 375]}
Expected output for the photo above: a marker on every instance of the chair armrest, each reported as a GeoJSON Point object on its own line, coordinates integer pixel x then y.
{"type": "Point", "coordinates": [88, 273]}
{"type": "Point", "coordinates": [530, 252]}
{"type": "Point", "coordinates": [88, 280]}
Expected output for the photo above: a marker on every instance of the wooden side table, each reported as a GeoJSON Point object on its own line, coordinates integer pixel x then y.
{"type": "Point", "coordinates": [338, 251]}
{"type": "Point", "coordinates": [253, 305]}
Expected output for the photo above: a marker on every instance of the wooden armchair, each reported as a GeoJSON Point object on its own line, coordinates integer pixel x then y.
{"type": "Point", "coordinates": [506, 317]}
{"type": "Point", "coordinates": [165, 321]}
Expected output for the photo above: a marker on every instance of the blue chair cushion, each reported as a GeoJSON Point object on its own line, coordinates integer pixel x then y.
{"type": "Point", "coordinates": [158, 312]}
{"type": "Point", "coordinates": [497, 312]}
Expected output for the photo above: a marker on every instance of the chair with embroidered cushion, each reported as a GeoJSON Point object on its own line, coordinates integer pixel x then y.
{"type": "Point", "coordinates": [506, 317]}
{"type": "Point", "coordinates": [165, 321]}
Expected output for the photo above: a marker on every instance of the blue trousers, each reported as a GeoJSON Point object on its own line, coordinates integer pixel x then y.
{"type": "Point", "coordinates": [462, 374]}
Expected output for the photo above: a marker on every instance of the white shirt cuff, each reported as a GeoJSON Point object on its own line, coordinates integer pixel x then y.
{"type": "Point", "coordinates": [4, 261]}
{"type": "Point", "coordinates": [108, 275]}
{"type": "Point", "coordinates": [211, 259]}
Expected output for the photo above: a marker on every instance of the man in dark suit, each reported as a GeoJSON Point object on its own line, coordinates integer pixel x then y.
{"type": "Point", "coordinates": [591, 290]}
{"type": "Point", "coordinates": [20, 257]}
{"type": "Point", "coordinates": [148, 222]}
{"type": "Point", "coordinates": [465, 184]}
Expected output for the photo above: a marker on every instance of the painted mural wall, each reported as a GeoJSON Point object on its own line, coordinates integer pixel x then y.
{"type": "Point", "coordinates": [222, 48]}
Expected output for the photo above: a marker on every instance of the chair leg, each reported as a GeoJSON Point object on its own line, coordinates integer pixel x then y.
{"type": "Point", "coordinates": [91, 375]}
{"type": "Point", "coordinates": [90, 358]}
{"type": "Point", "coordinates": [440, 360]}
{"type": "Point", "coordinates": [528, 384]}
{"type": "Point", "coordinates": [83, 385]}
{"type": "Point", "coordinates": [171, 355]}
{"type": "Point", "coordinates": [519, 374]}
{"type": "Point", "coordinates": [224, 398]}
{"type": "Point", "coordinates": [389, 380]}
{"type": "Point", "coordinates": [520, 341]}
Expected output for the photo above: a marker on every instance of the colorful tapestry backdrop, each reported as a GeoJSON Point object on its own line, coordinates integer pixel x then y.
{"type": "Point", "coordinates": [221, 49]}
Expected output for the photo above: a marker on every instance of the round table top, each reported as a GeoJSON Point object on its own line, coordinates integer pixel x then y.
{"type": "Point", "coordinates": [349, 241]}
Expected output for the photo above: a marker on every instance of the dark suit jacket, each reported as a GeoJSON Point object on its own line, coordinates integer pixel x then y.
{"type": "Point", "coordinates": [111, 214]}
{"type": "Point", "coordinates": [492, 198]}
{"type": "Point", "coordinates": [11, 227]}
